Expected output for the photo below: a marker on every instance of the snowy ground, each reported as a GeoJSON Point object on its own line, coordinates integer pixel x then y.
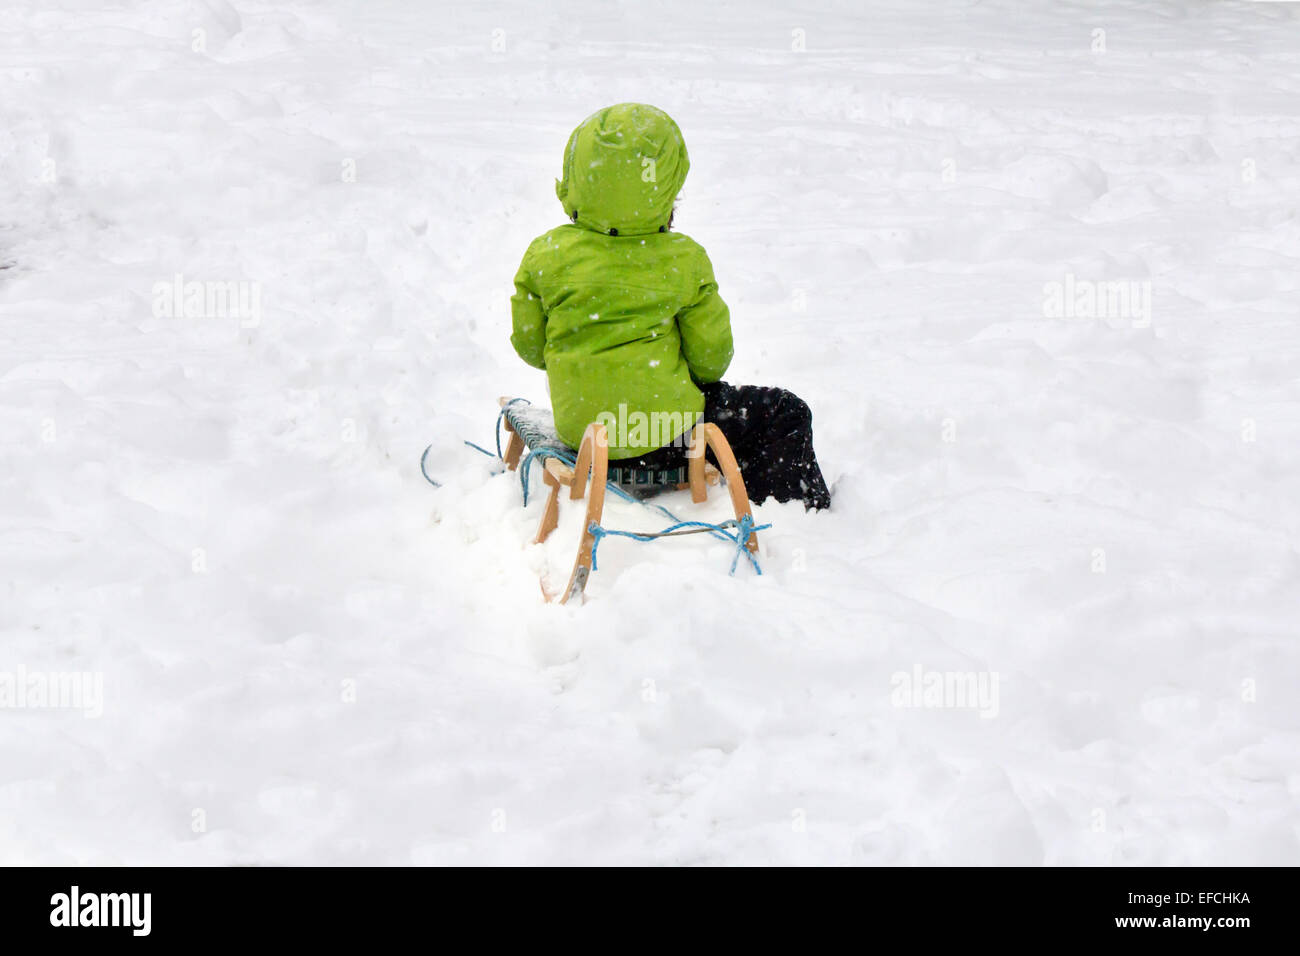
{"type": "Point", "coordinates": [309, 655]}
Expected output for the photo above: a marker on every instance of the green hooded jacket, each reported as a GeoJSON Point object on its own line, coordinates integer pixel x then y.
{"type": "Point", "coordinates": [622, 314]}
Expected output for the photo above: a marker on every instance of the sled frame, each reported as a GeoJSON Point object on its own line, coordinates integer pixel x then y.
{"type": "Point", "coordinates": [588, 478]}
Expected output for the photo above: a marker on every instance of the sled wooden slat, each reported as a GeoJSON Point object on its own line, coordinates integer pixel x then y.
{"type": "Point", "coordinates": [593, 462]}
{"type": "Point", "coordinates": [514, 448]}
{"type": "Point", "coordinates": [551, 511]}
{"type": "Point", "coordinates": [708, 435]}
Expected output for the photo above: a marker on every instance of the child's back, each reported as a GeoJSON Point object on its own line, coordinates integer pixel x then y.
{"type": "Point", "coordinates": [621, 313]}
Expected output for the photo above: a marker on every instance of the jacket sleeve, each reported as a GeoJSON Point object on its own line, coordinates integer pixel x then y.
{"type": "Point", "coordinates": [528, 317]}
{"type": "Point", "coordinates": [705, 328]}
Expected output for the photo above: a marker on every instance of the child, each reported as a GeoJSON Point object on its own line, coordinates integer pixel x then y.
{"type": "Point", "coordinates": [625, 317]}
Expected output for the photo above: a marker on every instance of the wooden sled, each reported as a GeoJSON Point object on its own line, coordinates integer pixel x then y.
{"type": "Point", "coordinates": [591, 473]}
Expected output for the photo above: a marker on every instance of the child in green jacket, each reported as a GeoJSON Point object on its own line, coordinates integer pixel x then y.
{"type": "Point", "coordinates": [625, 317]}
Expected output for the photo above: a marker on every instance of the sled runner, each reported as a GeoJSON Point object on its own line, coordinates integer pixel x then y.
{"type": "Point", "coordinates": [586, 472]}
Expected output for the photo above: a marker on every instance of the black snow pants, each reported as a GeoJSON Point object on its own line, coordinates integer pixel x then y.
{"type": "Point", "coordinates": [770, 433]}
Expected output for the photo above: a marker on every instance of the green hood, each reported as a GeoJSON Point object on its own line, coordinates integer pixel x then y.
{"type": "Point", "coordinates": [623, 168]}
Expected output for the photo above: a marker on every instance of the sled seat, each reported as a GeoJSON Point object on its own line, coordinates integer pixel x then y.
{"type": "Point", "coordinates": [532, 428]}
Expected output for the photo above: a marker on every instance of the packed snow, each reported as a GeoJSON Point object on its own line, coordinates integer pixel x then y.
{"type": "Point", "coordinates": [1035, 267]}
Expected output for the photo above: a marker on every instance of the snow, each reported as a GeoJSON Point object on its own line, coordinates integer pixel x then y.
{"type": "Point", "coordinates": [309, 655]}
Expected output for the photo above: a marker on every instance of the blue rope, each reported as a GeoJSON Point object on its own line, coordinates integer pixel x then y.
{"type": "Point", "coordinates": [500, 416]}
{"type": "Point", "coordinates": [720, 529]}
{"type": "Point", "coordinates": [744, 528]}
{"type": "Point", "coordinates": [425, 473]}
{"type": "Point", "coordinates": [425, 457]}
{"type": "Point", "coordinates": [544, 452]}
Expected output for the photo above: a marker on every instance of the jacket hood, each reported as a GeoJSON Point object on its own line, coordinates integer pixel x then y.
{"type": "Point", "coordinates": [623, 168]}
